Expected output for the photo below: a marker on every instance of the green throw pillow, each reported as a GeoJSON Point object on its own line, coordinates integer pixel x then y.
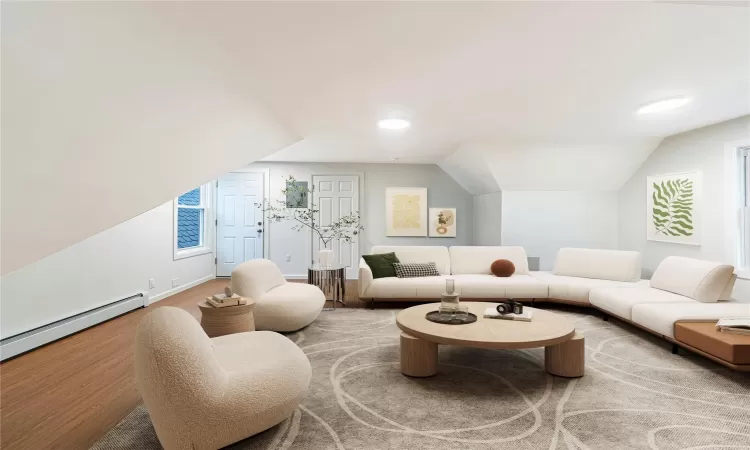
{"type": "Point", "coordinates": [382, 264]}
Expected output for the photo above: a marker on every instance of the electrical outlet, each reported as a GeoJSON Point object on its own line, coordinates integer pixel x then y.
{"type": "Point", "coordinates": [175, 283]}
{"type": "Point", "coordinates": [151, 283]}
{"type": "Point", "coordinates": [288, 257]}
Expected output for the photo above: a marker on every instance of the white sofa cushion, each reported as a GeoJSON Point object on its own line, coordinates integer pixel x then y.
{"type": "Point", "coordinates": [700, 280]}
{"type": "Point", "coordinates": [574, 289]}
{"type": "Point", "coordinates": [616, 265]}
{"type": "Point", "coordinates": [418, 254]}
{"type": "Point", "coordinates": [620, 301]}
{"type": "Point", "coordinates": [477, 260]}
{"type": "Point", "coordinates": [660, 318]}
{"type": "Point", "coordinates": [392, 287]}
{"type": "Point", "coordinates": [490, 286]}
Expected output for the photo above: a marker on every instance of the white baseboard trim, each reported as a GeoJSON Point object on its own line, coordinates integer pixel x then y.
{"type": "Point", "coordinates": [178, 289]}
{"type": "Point", "coordinates": [32, 339]}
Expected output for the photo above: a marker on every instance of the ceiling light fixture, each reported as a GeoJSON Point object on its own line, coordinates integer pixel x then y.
{"type": "Point", "coordinates": [664, 105]}
{"type": "Point", "coordinates": [393, 124]}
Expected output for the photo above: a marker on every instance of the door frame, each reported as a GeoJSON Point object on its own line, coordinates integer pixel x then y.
{"type": "Point", "coordinates": [266, 189]}
{"type": "Point", "coordinates": [362, 214]}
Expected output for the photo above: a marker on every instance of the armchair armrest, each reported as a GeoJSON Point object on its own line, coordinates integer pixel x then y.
{"type": "Point", "coordinates": [364, 278]}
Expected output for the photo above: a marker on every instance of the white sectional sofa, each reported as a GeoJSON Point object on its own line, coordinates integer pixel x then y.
{"type": "Point", "coordinates": [579, 270]}
{"type": "Point", "coordinates": [576, 272]}
{"type": "Point", "coordinates": [468, 266]}
{"type": "Point", "coordinates": [681, 289]}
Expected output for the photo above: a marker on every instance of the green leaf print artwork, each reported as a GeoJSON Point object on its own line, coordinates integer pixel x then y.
{"type": "Point", "coordinates": [672, 211]}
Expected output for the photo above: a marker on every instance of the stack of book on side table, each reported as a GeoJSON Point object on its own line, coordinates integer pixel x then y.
{"type": "Point", "coordinates": [735, 325]}
{"type": "Point", "coordinates": [228, 298]}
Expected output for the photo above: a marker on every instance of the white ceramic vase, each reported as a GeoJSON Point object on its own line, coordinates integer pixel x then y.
{"type": "Point", "coordinates": [325, 257]}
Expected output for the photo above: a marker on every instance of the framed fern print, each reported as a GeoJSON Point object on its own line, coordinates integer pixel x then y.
{"type": "Point", "coordinates": [673, 208]}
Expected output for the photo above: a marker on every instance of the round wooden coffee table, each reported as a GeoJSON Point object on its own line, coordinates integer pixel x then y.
{"type": "Point", "coordinates": [420, 338]}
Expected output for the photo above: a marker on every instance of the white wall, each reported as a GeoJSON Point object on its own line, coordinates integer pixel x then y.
{"type": "Point", "coordinates": [442, 191]}
{"type": "Point", "coordinates": [107, 267]}
{"type": "Point", "coordinates": [488, 213]}
{"type": "Point", "coordinates": [703, 150]}
{"type": "Point", "coordinates": [544, 221]}
{"type": "Point", "coordinates": [471, 170]}
{"type": "Point", "coordinates": [100, 96]}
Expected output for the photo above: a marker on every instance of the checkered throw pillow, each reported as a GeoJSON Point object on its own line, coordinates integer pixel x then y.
{"type": "Point", "coordinates": [413, 270]}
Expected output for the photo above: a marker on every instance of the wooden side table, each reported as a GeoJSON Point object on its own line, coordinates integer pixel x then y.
{"type": "Point", "coordinates": [227, 320]}
{"type": "Point", "coordinates": [731, 350]}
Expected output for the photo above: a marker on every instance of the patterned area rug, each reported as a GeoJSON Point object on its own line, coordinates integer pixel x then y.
{"type": "Point", "coordinates": [635, 395]}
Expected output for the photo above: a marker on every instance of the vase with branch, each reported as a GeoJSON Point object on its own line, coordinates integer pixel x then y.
{"type": "Point", "coordinates": [296, 205]}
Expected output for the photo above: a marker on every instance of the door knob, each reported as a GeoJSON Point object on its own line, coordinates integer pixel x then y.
{"type": "Point", "coordinates": [259, 230]}
{"type": "Point", "coordinates": [260, 223]}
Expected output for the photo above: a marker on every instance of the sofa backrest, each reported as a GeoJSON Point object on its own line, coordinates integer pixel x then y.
{"type": "Point", "coordinates": [477, 260]}
{"type": "Point", "coordinates": [700, 280]}
{"type": "Point", "coordinates": [615, 265]}
{"type": "Point", "coordinates": [418, 254]}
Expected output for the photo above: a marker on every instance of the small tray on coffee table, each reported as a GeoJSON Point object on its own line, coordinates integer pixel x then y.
{"type": "Point", "coordinates": [451, 319]}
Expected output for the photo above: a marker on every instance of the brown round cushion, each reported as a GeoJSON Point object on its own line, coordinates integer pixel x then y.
{"type": "Point", "coordinates": [502, 268]}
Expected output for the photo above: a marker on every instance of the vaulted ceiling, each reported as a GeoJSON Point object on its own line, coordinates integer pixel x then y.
{"type": "Point", "coordinates": [111, 108]}
{"type": "Point", "coordinates": [535, 95]}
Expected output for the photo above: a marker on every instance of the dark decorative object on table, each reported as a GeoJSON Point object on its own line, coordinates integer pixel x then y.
{"type": "Point", "coordinates": [502, 268]}
{"type": "Point", "coordinates": [451, 319]}
{"type": "Point", "coordinates": [510, 307]}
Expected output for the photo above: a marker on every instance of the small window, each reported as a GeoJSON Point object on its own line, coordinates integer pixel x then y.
{"type": "Point", "coordinates": [191, 223]}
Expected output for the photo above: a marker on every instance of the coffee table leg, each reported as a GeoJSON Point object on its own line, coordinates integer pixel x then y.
{"type": "Point", "coordinates": [566, 359]}
{"type": "Point", "coordinates": [418, 357]}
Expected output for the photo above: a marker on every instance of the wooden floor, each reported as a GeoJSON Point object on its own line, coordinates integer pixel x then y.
{"type": "Point", "coordinates": [67, 394]}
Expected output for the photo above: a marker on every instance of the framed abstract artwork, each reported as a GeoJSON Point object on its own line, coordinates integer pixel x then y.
{"type": "Point", "coordinates": [405, 211]}
{"type": "Point", "coordinates": [673, 208]}
{"type": "Point", "coordinates": [296, 194]}
{"type": "Point", "coordinates": [442, 222]}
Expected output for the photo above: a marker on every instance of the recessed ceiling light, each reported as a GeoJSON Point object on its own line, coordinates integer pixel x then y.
{"type": "Point", "coordinates": [393, 124]}
{"type": "Point", "coordinates": [664, 105]}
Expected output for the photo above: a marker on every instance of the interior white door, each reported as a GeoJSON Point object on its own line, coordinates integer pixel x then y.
{"type": "Point", "coordinates": [337, 196]}
{"type": "Point", "coordinates": [239, 220]}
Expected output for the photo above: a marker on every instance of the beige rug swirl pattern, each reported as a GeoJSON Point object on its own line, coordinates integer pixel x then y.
{"type": "Point", "coordinates": [635, 395]}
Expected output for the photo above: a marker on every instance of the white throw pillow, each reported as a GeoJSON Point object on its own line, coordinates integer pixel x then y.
{"type": "Point", "coordinates": [704, 281]}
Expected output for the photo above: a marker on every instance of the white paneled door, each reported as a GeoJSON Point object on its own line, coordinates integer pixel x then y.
{"type": "Point", "coordinates": [337, 196]}
{"type": "Point", "coordinates": [239, 220]}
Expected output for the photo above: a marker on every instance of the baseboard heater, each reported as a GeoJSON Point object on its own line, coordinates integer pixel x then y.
{"type": "Point", "coordinates": [22, 343]}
